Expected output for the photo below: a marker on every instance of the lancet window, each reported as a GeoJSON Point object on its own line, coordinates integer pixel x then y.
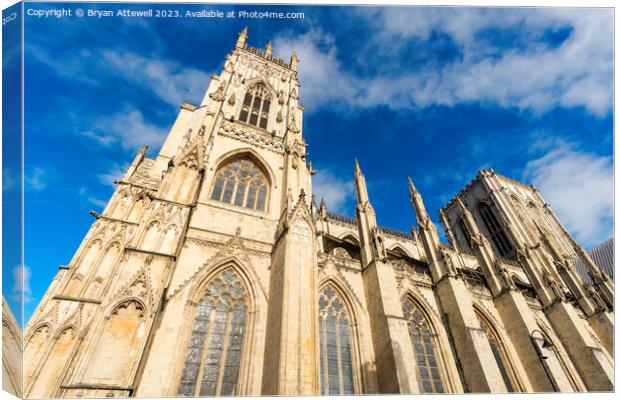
{"type": "Point", "coordinates": [214, 352]}
{"type": "Point", "coordinates": [335, 340]}
{"type": "Point", "coordinates": [429, 373]}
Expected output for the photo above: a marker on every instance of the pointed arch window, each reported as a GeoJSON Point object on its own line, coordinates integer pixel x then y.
{"type": "Point", "coordinates": [214, 352]}
{"type": "Point", "coordinates": [335, 344]}
{"type": "Point", "coordinates": [496, 231]}
{"type": "Point", "coordinates": [241, 183]}
{"type": "Point", "coordinates": [255, 107]}
{"type": "Point", "coordinates": [465, 233]}
{"type": "Point", "coordinates": [499, 353]}
{"type": "Point", "coordinates": [424, 348]}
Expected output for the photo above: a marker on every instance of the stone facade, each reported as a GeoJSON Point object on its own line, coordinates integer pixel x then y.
{"type": "Point", "coordinates": [11, 352]}
{"type": "Point", "coordinates": [212, 271]}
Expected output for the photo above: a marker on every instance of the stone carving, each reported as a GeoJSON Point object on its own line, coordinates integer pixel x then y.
{"type": "Point", "coordinates": [251, 136]}
{"type": "Point", "coordinates": [378, 245]}
{"type": "Point", "coordinates": [554, 286]}
{"type": "Point", "coordinates": [218, 95]}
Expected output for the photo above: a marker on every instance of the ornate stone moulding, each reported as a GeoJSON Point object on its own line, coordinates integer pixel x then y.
{"type": "Point", "coordinates": [249, 135]}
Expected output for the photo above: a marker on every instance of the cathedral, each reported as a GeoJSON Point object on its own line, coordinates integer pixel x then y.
{"type": "Point", "coordinates": [212, 271]}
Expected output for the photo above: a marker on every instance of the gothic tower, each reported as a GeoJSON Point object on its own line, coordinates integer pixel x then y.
{"type": "Point", "coordinates": [212, 271]}
{"type": "Point", "coordinates": [504, 222]}
{"type": "Point", "coordinates": [218, 220]}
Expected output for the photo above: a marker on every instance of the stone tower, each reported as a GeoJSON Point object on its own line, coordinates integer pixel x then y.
{"type": "Point", "coordinates": [503, 221]}
{"type": "Point", "coordinates": [185, 254]}
{"type": "Point", "coordinates": [212, 271]}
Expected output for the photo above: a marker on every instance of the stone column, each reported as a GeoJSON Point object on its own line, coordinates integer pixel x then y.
{"type": "Point", "coordinates": [291, 346]}
{"type": "Point", "coordinates": [394, 356]}
{"type": "Point", "coordinates": [472, 346]}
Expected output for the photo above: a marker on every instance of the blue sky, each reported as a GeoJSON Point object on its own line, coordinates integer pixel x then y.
{"type": "Point", "coordinates": [431, 93]}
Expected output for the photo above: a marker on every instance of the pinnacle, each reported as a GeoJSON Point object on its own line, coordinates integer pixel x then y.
{"type": "Point", "coordinates": [412, 188]}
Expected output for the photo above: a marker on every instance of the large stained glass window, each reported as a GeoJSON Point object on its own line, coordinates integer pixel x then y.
{"type": "Point", "coordinates": [213, 356]}
{"type": "Point", "coordinates": [241, 183]}
{"type": "Point", "coordinates": [335, 339]}
{"type": "Point", "coordinates": [255, 107]}
{"type": "Point", "coordinates": [429, 374]}
{"type": "Point", "coordinates": [498, 352]}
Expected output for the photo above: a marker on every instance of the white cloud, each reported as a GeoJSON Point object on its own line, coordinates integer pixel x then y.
{"type": "Point", "coordinates": [334, 190]}
{"type": "Point", "coordinates": [115, 173]}
{"type": "Point", "coordinates": [92, 199]}
{"type": "Point", "coordinates": [579, 188]}
{"type": "Point", "coordinates": [102, 139]}
{"type": "Point", "coordinates": [21, 285]}
{"type": "Point", "coordinates": [130, 129]}
{"type": "Point", "coordinates": [319, 68]}
{"type": "Point", "coordinates": [38, 179]}
{"type": "Point", "coordinates": [168, 80]}
{"type": "Point", "coordinates": [538, 77]}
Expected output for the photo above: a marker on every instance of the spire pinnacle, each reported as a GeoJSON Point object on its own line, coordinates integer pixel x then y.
{"type": "Point", "coordinates": [269, 49]}
{"type": "Point", "coordinates": [358, 170]}
{"type": "Point", "coordinates": [294, 61]}
{"type": "Point", "coordinates": [412, 190]}
{"type": "Point", "coordinates": [243, 35]}
{"type": "Point", "coordinates": [418, 204]}
{"type": "Point", "coordinates": [360, 184]}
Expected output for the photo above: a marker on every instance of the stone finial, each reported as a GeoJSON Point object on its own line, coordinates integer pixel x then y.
{"type": "Point", "coordinates": [243, 35]}
{"type": "Point", "coordinates": [412, 189]}
{"type": "Point", "coordinates": [294, 61]}
{"type": "Point", "coordinates": [360, 185]}
{"type": "Point", "coordinates": [323, 208]}
{"type": "Point", "coordinates": [269, 49]}
{"type": "Point", "coordinates": [358, 170]}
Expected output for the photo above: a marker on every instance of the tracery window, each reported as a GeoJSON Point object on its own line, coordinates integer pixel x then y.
{"type": "Point", "coordinates": [255, 107]}
{"type": "Point", "coordinates": [214, 354]}
{"type": "Point", "coordinates": [496, 231]}
{"type": "Point", "coordinates": [424, 348]}
{"type": "Point", "coordinates": [498, 353]}
{"type": "Point", "coordinates": [335, 339]}
{"type": "Point", "coordinates": [465, 233]}
{"type": "Point", "coordinates": [241, 183]}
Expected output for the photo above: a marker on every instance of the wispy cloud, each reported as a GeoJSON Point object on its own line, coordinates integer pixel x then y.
{"type": "Point", "coordinates": [84, 193]}
{"type": "Point", "coordinates": [335, 190]}
{"type": "Point", "coordinates": [39, 178]}
{"type": "Point", "coordinates": [168, 80]}
{"type": "Point", "coordinates": [21, 285]}
{"type": "Point", "coordinates": [114, 173]}
{"type": "Point", "coordinates": [129, 129]}
{"type": "Point", "coordinates": [579, 187]}
{"type": "Point", "coordinates": [577, 73]}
